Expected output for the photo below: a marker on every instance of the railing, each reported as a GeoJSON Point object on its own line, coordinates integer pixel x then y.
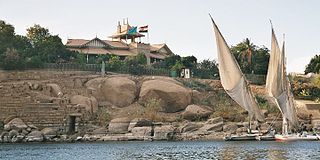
{"type": "Point", "coordinates": [139, 70]}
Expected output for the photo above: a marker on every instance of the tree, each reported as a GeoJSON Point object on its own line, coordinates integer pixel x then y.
{"type": "Point", "coordinates": [314, 65]}
{"type": "Point", "coordinates": [207, 69]}
{"type": "Point", "coordinates": [49, 48]}
{"type": "Point", "coordinates": [171, 61]}
{"type": "Point", "coordinates": [6, 37]}
{"type": "Point", "coordinates": [13, 60]}
{"type": "Point", "coordinates": [251, 58]}
{"type": "Point", "coordinates": [37, 33]}
{"type": "Point", "coordinates": [189, 61]}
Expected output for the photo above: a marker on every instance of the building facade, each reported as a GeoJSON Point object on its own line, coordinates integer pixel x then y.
{"type": "Point", "coordinates": [123, 43]}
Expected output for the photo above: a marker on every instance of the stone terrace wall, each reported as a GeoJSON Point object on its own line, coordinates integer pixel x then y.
{"type": "Point", "coordinates": [17, 100]}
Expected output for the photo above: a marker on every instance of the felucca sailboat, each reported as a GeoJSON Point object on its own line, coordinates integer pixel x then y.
{"type": "Point", "coordinates": [235, 83]}
{"type": "Point", "coordinates": [278, 87]}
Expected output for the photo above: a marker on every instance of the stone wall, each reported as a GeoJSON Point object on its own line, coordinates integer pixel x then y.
{"type": "Point", "coordinates": [18, 99]}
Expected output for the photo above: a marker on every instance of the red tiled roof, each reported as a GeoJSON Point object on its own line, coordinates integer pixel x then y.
{"type": "Point", "coordinates": [122, 52]}
{"type": "Point", "coordinates": [92, 50]}
{"type": "Point", "coordinates": [76, 42]}
{"type": "Point", "coordinates": [116, 44]}
{"type": "Point", "coordinates": [157, 56]}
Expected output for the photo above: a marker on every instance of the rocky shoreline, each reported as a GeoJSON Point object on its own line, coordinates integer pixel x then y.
{"type": "Point", "coordinates": [16, 131]}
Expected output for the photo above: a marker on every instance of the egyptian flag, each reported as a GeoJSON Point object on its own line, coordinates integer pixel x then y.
{"type": "Point", "coordinates": [143, 29]}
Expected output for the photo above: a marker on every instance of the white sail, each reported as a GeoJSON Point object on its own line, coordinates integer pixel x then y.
{"type": "Point", "coordinates": [277, 84]}
{"type": "Point", "coordinates": [232, 79]}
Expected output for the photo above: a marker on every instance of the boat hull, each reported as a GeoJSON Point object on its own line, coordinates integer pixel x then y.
{"type": "Point", "coordinates": [266, 138]}
{"type": "Point", "coordinates": [296, 137]}
{"type": "Point", "coordinates": [247, 137]}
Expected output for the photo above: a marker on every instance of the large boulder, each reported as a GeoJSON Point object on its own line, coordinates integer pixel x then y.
{"type": "Point", "coordinates": [190, 127]}
{"type": "Point", "coordinates": [173, 97]}
{"type": "Point", "coordinates": [213, 124]}
{"type": "Point", "coordinates": [94, 88]}
{"type": "Point", "coordinates": [120, 91]}
{"type": "Point", "coordinates": [15, 124]}
{"type": "Point", "coordinates": [139, 122]}
{"type": "Point", "coordinates": [55, 90]}
{"type": "Point", "coordinates": [165, 132]}
{"type": "Point", "coordinates": [49, 133]}
{"type": "Point", "coordinates": [230, 127]}
{"type": "Point", "coordinates": [35, 136]}
{"type": "Point", "coordinates": [195, 112]}
{"type": "Point", "coordinates": [13, 133]}
{"type": "Point", "coordinates": [90, 104]}
{"type": "Point", "coordinates": [141, 131]}
{"type": "Point", "coordinates": [212, 127]}
{"type": "Point", "coordinates": [119, 125]}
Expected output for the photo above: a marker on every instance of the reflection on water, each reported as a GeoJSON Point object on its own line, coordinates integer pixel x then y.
{"type": "Point", "coordinates": [163, 150]}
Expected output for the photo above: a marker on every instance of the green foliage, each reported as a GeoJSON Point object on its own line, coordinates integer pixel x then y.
{"type": "Point", "coordinates": [195, 85]}
{"type": "Point", "coordinates": [80, 59]}
{"type": "Point", "coordinates": [251, 58]}
{"type": "Point", "coordinates": [37, 34]}
{"type": "Point", "coordinates": [103, 57]}
{"type": "Point", "coordinates": [103, 116]}
{"type": "Point", "coordinates": [314, 65]}
{"type": "Point", "coordinates": [263, 104]}
{"type": "Point", "coordinates": [171, 61]}
{"type": "Point", "coordinates": [305, 88]}
{"type": "Point", "coordinates": [34, 62]}
{"type": "Point", "coordinates": [13, 60]}
{"type": "Point", "coordinates": [38, 47]}
{"type": "Point", "coordinates": [207, 69]}
{"type": "Point", "coordinates": [115, 64]}
{"type": "Point", "coordinates": [177, 66]}
{"type": "Point", "coordinates": [189, 62]}
{"type": "Point", "coordinates": [151, 110]}
{"type": "Point", "coordinates": [316, 81]}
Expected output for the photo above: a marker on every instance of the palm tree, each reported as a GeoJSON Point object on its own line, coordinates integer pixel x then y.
{"type": "Point", "coordinates": [246, 53]}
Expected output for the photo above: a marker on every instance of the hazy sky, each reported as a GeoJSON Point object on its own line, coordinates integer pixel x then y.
{"type": "Point", "coordinates": [183, 24]}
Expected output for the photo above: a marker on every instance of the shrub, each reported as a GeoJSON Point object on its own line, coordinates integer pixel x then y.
{"type": "Point", "coordinates": [103, 116]}
{"type": "Point", "coordinates": [34, 62]}
{"type": "Point", "coordinates": [151, 110]}
{"type": "Point", "coordinates": [263, 104]}
{"type": "Point", "coordinates": [13, 60]}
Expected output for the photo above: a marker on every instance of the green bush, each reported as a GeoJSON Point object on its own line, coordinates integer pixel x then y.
{"type": "Point", "coordinates": [103, 116]}
{"type": "Point", "coordinates": [263, 104]}
{"type": "Point", "coordinates": [34, 62]}
{"type": "Point", "coordinates": [13, 60]}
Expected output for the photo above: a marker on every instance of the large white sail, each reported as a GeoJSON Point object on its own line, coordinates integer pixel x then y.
{"type": "Point", "coordinates": [232, 79]}
{"type": "Point", "coordinates": [277, 83]}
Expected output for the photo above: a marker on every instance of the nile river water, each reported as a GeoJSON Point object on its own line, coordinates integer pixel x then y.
{"type": "Point", "coordinates": [162, 150]}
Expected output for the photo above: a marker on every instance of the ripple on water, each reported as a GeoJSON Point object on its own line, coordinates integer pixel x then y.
{"type": "Point", "coordinates": [163, 150]}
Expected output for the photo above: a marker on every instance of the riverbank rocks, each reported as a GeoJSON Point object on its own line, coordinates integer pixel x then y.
{"type": "Point", "coordinates": [230, 128]}
{"type": "Point", "coordinates": [15, 124]}
{"type": "Point", "coordinates": [34, 136]}
{"type": "Point", "coordinates": [165, 132]}
{"type": "Point", "coordinates": [120, 91]}
{"type": "Point", "coordinates": [119, 125]}
{"type": "Point", "coordinates": [173, 97]}
{"type": "Point", "coordinates": [141, 131]}
{"type": "Point", "coordinates": [190, 127]}
{"type": "Point", "coordinates": [55, 90]}
{"type": "Point", "coordinates": [139, 122]}
{"type": "Point", "coordinates": [195, 112]}
{"type": "Point", "coordinates": [91, 104]}
{"type": "Point", "coordinates": [49, 133]}
{"type": "Point", "coordinates": [213, 124]}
